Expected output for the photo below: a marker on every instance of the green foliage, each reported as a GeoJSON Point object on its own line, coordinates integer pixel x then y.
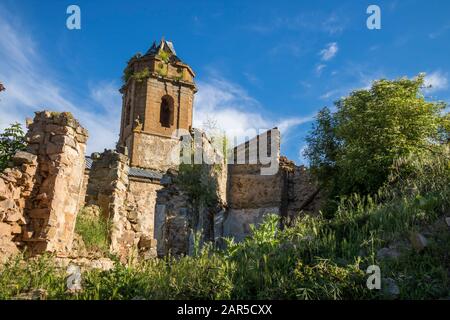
{"type": "Point", "coordinates": [201, 277]}
{"type": "Point", "coordinates": [165, 56]}
{"type": "Point", "coordinates": [20, 276]}
{"type": "Point", "coordinates": [128, 73]}
{"type": "Point", "coordinates": [162, 69]}
{"type": "Point", "coordinates": [140, 76]}
{"type": "Point", "coordinates": [11, 140]}
{"type": "Point", "coordinates": [94, 229]}
{"type": "Point", "coordinates": [314, 258]}
{"type": "Point", "coordinates": [353, 149]}
{"type": "Point", "coordinates": [423, 275]}
{"type": "Point", "coordinates": [197, 181]}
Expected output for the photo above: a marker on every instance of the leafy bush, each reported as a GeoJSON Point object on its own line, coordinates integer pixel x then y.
{"type": "Point", "coordinates": [353, 149]}
{"type": "Point", "coordinates": [11, 140]}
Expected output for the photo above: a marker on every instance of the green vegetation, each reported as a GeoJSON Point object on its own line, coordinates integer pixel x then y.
{"type": "Point", "coordinates": [165, 56]}
{"type": "Point", "coordinates": [140, 76]}
{"type": "Point", "coordinates": [314, 258]}
{"type": "Point", "coordinates": [162, 69]}
{"type": "Point", "coordinates": [353, 149]}
{"type": "Point", "coordinates": [19, 276]}
{"type": "Point", "coordinates": [197, 181]}
{"type": "Point", "coordinates": [93, 229]}
{"type": "Point", "coordinates": [12, 139]}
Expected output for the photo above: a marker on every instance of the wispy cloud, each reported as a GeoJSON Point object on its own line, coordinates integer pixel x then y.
{"type": "Point", "coordinates": [330, 23]}
{"type": "Point", "coordinates": [319, 69]}
{"type": "Point", "coordinates": [436, 81]}
{"type": "Point", "coordinates": [30, 87]}
{"type": "Point", "coordinates": [333, 24]}
{"type": "Point", "coordinates": [291, 48]}
{"type": "Point", "coordinates": [235, 112]}
{"type": "Point", "coordinates": [329, 94]}
{"type": "Point", "coordinates": [329, 52]}
{"type": "Point", "coordinates": [436, 34]}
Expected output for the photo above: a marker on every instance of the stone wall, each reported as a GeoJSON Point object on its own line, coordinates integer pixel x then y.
{"type": "Point", "coordinates": [303, 192]}
{"type": "Point", "coordinates": [16, 186]}
{"type": "Point", "coordinates": [253, 194]}
{"type": "Point", "coordinates": [172, 217]}
{"type": "Point", "coordinates": [179, 218]}
{"type": "Point", "coordinates": [152, 151]}
{"type": "Point", "coordinates": [59, 142]}
{"type": "Point", "coordinates": [39, 194]}
{"type": "Point", "coordinates": [108, 189]}
{"type": "Point", "coordinates": [84, 184]}
{"type": "Point", "coordinates": [108, 176]}
{"type": "Point", "coordinates": [128, 202]}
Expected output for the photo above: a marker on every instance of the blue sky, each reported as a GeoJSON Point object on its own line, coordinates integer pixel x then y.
{"type": "Point", "coordinates": [258, 63]}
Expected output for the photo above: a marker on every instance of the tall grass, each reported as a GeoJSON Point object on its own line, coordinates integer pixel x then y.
{"type": "Point", "coordinates": [315, 258]}
{"type": "Point", "coordinates": [94, 230]}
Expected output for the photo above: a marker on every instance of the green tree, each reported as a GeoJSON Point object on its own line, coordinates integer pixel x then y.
{"type": "Point", "coordinates": [11, 140]}
{"type": "Point", "coordinates": [353, 149]}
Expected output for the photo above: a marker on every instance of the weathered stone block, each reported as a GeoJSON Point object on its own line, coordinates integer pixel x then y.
{"type": "Point", "coordinates": [7, 204]}
{"type": "Point", "coordinates": [13, 216]}
{"type": "Point", "coordinates": [5, 230]}
{"type": "Point", "coordinates": [22, 157]}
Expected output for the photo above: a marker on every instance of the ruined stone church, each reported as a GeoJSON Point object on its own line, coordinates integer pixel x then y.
{"type": "Point", "coordinates": [136, 186]}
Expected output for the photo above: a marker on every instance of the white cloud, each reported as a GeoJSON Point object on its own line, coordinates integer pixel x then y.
{"type": "Point", "coordinates": [440, 32]}
{"type": "Point", "coordinates": [30, 87]}
{"type": "Point", "coordinates": [436, 81]}
{"type": "Point", "coordinates": [329, 52]}
{"type": "Point", "coordinates": [235, 112]}
{"type": "Point", "coordinates": [302, 160]}
{"type": "Point", "coordinates": [319, 69]}
{"type": "Point", "coordinates": [327, 95]}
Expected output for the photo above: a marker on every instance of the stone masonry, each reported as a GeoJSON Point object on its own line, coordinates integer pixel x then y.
{"type": "Point", "coordinates": [59, 142]}
{"type": "Point", "coordinates": [16, 186]}
{"type": "Point", "coordinates": [40, 192]}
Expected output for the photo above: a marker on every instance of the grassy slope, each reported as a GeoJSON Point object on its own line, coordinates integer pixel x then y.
{"type": "Point", "coordinates": [316, 258]}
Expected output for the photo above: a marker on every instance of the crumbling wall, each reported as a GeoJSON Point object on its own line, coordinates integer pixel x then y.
{"type": "Point", "coordinates": [108, 181]}
{"type": "Point", "coordinates": [179, 217]}
{"type": "Point", "coordinates": [152, 151]}
{"type": "Point", "coordinates": [304, 194]}
{"type": "Point", "coordinates": [172, 217]}
{"type": "Point", "coordinates": [142, 202]}
{"type": "Point", "coordinates": [16, 186]}
{"type": "Point", "coordinates": [253, 193]}
{"type": "Point", "coordinates": [39, 194]}
{"type": "Point", "coordinates": [83, 192]}
{"type": "Point", "coordinates": [129, 204]}
{"type": "Point", "coordinates": [108, 188]}
{"type": "Point", "coordinates": [59, 142]}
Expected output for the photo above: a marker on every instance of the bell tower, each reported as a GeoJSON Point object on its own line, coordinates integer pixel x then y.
{"type": "Point", "coordinates": [157, 99]}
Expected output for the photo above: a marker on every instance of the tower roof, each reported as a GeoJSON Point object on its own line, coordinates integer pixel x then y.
{"type": "Point", "coordinates": [163, 45]}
